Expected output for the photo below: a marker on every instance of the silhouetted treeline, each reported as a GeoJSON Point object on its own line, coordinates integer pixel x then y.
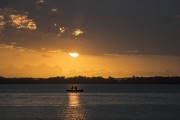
{"type": "Point", "coordinates": [91, 80]}
{"type": "Point", "coordinates": [59, 80]}
{"type": "Point", "coordinates": [150, 80]}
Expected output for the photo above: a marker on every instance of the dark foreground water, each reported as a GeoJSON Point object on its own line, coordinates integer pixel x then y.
{"type": "Point", "coordinates": [98, 102]}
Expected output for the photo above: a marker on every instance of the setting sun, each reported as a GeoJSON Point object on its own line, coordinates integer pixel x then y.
{"type": "Point", "coordinates": [74, 54]}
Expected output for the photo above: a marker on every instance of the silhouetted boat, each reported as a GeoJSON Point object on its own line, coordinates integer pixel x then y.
{"type": "Point", "coordinates": [75, 90]}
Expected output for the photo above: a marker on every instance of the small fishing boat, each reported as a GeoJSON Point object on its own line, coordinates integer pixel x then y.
{"type": "Point", "coordinates": [74, 89]}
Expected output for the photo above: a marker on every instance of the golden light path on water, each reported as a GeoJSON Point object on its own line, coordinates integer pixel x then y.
{"type": "Point", "coordinates": [74, 110]}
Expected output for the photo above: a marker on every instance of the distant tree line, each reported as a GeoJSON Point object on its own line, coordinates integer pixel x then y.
{"type": "Point", "coordinates": [150, 80]}
{"type": "Point", "coordinates": [59, 80]}
{"type": "Point", "coordinates": [91, 80]}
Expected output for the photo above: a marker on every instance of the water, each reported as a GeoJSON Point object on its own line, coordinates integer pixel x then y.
{"type": "Point", "coordinates": [98, 102]}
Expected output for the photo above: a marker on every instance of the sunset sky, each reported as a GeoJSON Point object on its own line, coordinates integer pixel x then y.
{"type": "Point", "coordinates": [118, 38]}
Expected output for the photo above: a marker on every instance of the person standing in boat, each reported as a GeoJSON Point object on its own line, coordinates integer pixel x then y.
{"type": "Point", "coordinates": [72, 88]}
{"type": "Point", "coordinates": [75, 88]}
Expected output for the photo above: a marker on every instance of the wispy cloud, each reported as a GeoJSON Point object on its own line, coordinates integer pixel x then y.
{"type": "Point", "coordinates": [126, 52]}
{"type": "Point", "coordinates": [6, 12]}
{"type": "Point", "coordinates": [15, 47]}
{"type": "Point", "coordinates": [43, 49]}
{"type": "Point", "coordinates": [6, 46]}
{"type": "Point", "coordinates": [39, 3]}
{"type": "Point", "coordinates": [54, 9]}
{"type": "Point", "coordinates": [55, 51]}
{"type": "Point", "coordinates": [114, 55]}
{"type": "Point", "coordinates": [131, 51]}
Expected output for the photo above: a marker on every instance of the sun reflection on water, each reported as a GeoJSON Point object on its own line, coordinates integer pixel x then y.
{"type": "Point", "coordinates": [73, 99]}
{"type": "Point", "coordinates": [74, 109]}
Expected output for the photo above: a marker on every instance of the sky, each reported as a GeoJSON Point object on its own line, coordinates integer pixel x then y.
{"type": "Point", "coordinates": [118, 38]}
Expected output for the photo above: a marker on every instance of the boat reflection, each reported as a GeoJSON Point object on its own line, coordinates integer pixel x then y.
{"type": "Point", "coordinates": [74, 109]}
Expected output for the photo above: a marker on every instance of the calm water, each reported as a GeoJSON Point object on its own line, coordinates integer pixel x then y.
{"type": "Point", "coordinates": [98, 102]}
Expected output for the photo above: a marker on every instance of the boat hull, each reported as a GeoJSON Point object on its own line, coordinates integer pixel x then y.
{"type": "Point", "coordinates": [75, 91]}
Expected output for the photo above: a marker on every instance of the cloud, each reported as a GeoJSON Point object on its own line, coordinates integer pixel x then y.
{"type": "Point", "coordinates": [55, 51]}
{"type": "Point", "coordinates": [54, 11]}
{"type": "Point", "coordinates": [1, 17]}
{"type": "Point", "coordinates": [6, 12]}
{"type": "Point", "coordinates": [17, 19]}
{"type": "Point", "coordinates": [61, 30]}
{"type": "Point", "coordinates": [114, 55]}
{"type": "Point", "coordinates": [121, 34]}
{"type": "Point", "coordinates": [43, 49]}
{"type": "Point", "coordinates": [11, 18]}
{"type": "Point", "coordinates": [2, 22]}
{"type": "Point", "coordinates": [15, 47]}
{"type": "Point", "coordinates": [40, 3]}
{"type": "Point", "coordinates": [132, 51]}
{"type": "Point", "coordinates": [7, 46]}
{"type": "Point", "coordinates": [127, 52]}
{"type": "Point", "coordinates": [37, 40]}
{"type": "Point", "coordinates": [22, 21]}
{"type": "Point", "coordinates": [77, 32]}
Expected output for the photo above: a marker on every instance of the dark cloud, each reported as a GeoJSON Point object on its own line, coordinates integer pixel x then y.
{"type": "Point", "coordinates": [110, 26]}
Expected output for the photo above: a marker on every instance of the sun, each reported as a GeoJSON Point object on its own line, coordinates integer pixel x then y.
{"type": "Point", "coordinates": [74, 54]}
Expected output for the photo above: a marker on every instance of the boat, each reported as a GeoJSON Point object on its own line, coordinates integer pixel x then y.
{"type": "Point", "coordinates": [74, 89]}
{"type": "Point", "coordinates": [80, 90]}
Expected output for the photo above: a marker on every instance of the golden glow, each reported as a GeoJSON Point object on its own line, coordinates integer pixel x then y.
{"type": "Point", "coordinates": [73, 99]}
{"type": "Point", "coordinates": [74, 54]}
{"type": "Point", "coordinates": [74, 110]}
{"type": "Point", "coordinates": [56, 62]}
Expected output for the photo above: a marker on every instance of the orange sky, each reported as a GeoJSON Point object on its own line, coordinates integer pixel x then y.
{"type": "Point", "coordinates": [46, 63]}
